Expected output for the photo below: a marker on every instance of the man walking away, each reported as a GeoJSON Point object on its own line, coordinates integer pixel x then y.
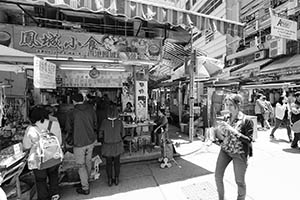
{"type": "Point", "coordinates": [295, 118]}
{"type": "Point", "coordinates": [82, 124]}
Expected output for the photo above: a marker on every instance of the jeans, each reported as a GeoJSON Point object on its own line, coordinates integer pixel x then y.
{"type": "Point", "coordinates": [239, 167]}
{"type": "Point", "coordinates": [43, 192]}
{"type": "Point", "coordinates": [156, 136]}
{"type": "Point", "coordinates": [113, 162]}
{"type": "Point", "coordinates": [83, 157]}
{"type": "Point", "coordinates": [260, 118]}
{"type": "Point", "coordinates": [287, 124]}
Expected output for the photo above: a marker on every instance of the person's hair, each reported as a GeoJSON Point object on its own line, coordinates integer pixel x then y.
{"type": "Point", "coordinates": [280, 100]}
{"type": "Point", "coordinates": [264, 97]}
{"type": "Point", "coordinates": [297, 94]}
{"type": "Point", "coordinates": [236, 99]}
{"type": "Point", "coordinates": [129, 103]}
{"type": "Point", "coordinates": [163, 111]}
{"type": "Point", "coordinates": [38, 113]}
{"type": "Point", "coordinates": [112, 111]}
{"type": "Point", "coordinates": [77, 98]}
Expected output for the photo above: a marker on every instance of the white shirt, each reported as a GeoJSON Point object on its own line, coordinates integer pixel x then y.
{"type": "Point", "coordinates": [31, 133]}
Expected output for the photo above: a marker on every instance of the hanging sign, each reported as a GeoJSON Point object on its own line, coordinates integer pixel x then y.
{"type": "Point", "coordinates": [283, 28]}
{"type": "Point", "coordinates": [141, 90]}
{"type": "Point", "coordinates": [44, 74]}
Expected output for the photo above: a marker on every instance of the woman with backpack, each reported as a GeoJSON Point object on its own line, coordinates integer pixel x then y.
{"type": "Point", "coordinates": [40, 122]}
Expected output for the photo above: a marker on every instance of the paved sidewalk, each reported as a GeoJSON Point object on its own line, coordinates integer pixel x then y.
{"type": "Point", "coordinates": [272, 174]}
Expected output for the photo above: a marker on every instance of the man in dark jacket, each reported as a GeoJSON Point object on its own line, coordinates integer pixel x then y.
{"type": "Point", "coordinates": [82, 124]}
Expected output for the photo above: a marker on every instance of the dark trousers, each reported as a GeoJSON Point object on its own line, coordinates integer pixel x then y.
{"type": "Point", "coordinates": [155, 137]}
{"type": "Point", "coordinates": [287, 124]}
{"type": "Point", "coordinates": [113, 162]}
{"type": "Point", "coordinates": [295, 141]}
{"type": "Point", "coordinates": [43, 191]}
{"type": "Point", "coordinates": [261, 120]}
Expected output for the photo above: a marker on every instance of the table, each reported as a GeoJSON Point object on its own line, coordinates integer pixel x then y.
{"type": "Point", "coordinates": [142, 136]}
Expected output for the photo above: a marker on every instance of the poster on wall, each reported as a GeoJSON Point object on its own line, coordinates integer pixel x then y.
{"type": "Point", "coordinates": [141, 100]}
{"type": "Point", "coordinates": [44, 74]}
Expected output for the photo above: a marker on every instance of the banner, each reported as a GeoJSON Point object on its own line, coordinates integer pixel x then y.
{"type": "Point", "coordinates": [68, 44]}
{"type": "Point", "coordinates": [44, 74]}
{"type": "Point", "coordinates": [141, 100]}
{"type": "Point", "coordinates": [283, 28]}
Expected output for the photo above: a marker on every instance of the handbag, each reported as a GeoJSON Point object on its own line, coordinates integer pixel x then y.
{"type": "Point", "coordinates": [296, 127]}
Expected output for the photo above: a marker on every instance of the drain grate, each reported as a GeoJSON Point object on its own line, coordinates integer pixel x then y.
{"type": "Point", "coordinates": [200, 191]}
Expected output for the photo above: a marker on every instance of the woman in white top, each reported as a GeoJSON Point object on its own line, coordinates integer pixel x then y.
{"type": "Point", "coordinates": [282, 111]}
{"type": "Point", "coordinates": [40, 120]}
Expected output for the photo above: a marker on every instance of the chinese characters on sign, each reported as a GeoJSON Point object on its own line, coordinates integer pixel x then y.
{"type": "Point", "coordinates": [44, 74]}
{"type": "Point", "coordinates": [62, 43]}
{"type": "Point", "coordinates": [82, 79]}
{"type": "Point", "coordinates": [141, 100]}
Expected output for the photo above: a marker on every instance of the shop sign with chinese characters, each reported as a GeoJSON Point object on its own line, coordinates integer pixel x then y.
{"type": "Point", "coordinates": [107, 79]}
{"type": "Point", "coordinates": [44, 74]}
{"type": "Point", "coordinates": [63, 43]}
{"type": "Point", "coordinates": [141, 91]}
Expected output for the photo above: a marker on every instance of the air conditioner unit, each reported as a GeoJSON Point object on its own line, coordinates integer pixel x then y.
{"type": "Point", "coordinates": [269, 38]}
{"type": "Point", "coordinates": [231, 62]}
{"type": "Point", "coordinates": [260, 55]}
{"type": "Point", "coordinates": [252, 43]}
{"type": "Point", "coordinates": [277, 47]}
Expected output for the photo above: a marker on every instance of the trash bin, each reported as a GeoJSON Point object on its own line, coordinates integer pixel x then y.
{"type": "Point", "coordinates": [254, 119]}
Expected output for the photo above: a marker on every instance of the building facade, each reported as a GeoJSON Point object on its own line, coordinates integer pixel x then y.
{"type": "Point", "coordinates": [211, 41]}
{"type": "Point", "coordinates": [259, 50]}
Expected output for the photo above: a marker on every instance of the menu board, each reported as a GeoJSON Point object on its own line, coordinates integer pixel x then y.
{"type": "Point", "coordinates": [141, 91]}
{"type": "Point", "coordinates": [44, 74]}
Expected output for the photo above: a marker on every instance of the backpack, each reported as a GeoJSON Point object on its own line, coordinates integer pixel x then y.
{"type": "Point", "coordinates": [48, 149]}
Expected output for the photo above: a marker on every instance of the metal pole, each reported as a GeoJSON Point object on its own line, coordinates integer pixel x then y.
{"type": "Point", "coordinates": [192, 99]}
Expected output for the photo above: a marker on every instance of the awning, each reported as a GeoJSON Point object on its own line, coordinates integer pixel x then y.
{"type": "Point", "coordinates": [146, 11]}
{"type": "Point", "coordinates": [283, 64]}
{"type": "Point", "coordinates": [11, 55]}
{"type": "Point", "coordinates": [226, 72]}
{"type": "Point", "coordinates": [251, 69]}
{"type": "Point", "coordinates": [268, 86]}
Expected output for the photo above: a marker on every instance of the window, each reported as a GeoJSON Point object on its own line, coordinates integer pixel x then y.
{"type": "Point", "coordinates": [209, 6]}
{"type": "Point", "coordinates": [209, 36]}
{"type": "Point", "coordinates": [188, 5]}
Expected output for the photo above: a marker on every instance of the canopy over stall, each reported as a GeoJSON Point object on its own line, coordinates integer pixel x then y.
{"type": "Point", "coordinates": [145, 11]}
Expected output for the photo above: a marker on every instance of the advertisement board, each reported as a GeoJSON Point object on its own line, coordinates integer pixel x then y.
{"type": "Point", "coordinates": [44, 74]}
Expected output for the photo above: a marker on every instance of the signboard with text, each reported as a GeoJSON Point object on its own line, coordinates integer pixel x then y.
{"type": "Point", "coordinates": [64, 43]}
{"type": "Point", "coordinates": [141, 94]}
{"type": "Point", "coordinates": [283, 28]}
{"type": "Point", "coordinates": [44, 74]}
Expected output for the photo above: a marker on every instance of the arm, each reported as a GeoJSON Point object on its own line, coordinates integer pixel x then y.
{"type": "Point", "coordinates": [57, 131]}
{"type": "Point", "coordinates": [245, 134]}
{"type": "Point", "coordinates": [164, 122]}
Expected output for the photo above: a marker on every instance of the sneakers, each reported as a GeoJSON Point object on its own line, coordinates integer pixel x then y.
{"type": "Point", "coordinates": [82, 191]}
{"type": "Point", "coordinates": [55, 197]}
{"type": "Point", "coordinates": [156, 147]}
{"type": "Point", "coordinates": [272, 137]}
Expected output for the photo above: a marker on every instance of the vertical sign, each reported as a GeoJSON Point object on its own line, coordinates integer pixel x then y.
{"type": "Point", "coordinates": [44, 74]}
{"type": "Point", "coordinates": [141, 100]}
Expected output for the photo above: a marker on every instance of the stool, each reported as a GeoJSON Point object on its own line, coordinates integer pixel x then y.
{"type": "Point", "coordinates": [130, 141]}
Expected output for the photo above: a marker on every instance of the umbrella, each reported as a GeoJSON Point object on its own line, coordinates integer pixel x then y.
{"type": "Point", "coordinates": [208, 67]}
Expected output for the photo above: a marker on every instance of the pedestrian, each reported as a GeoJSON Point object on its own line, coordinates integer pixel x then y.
{"type": "Point", "coordinates": [39, 118]}
{"type": "Point", "coordinates": [268, 112]}
{"type": "Point", "coordinates": [81, 124]}
{"type": "Point", "coordinates": [160, 127]}
{"type": "Point", "coordinates": [295, 118]}
{"type": "Point", "coordinates": [235, 135]}
{"type": "Point", "coordinates": [282, 111]}
{"type": "Point", "coordinates": [113, 132]}
{"type": "Point", "coordinates": [259, 110]}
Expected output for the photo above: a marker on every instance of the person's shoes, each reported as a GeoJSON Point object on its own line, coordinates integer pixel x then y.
{"type": "Point", "coordinates": [156, 147]}
{"type": "Point", "coordinates": [116, 181]}
{"type": "Point", "coordinates": [272, 137]}
{"type": "Point", "coordinates": [55, 197]}
{"type": "Point", "coordinates": [291, 140]}
{"type": "Point", "coordinates": [294, 146]}
{"type": "Point", "coordinates": [82, 191]}
{"type": "Point", "coordinates": [110, 182]}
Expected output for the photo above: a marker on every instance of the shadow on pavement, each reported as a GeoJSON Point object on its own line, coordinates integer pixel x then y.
{"type": "Point", "coordinates": [277, 141]}
{"type": "Point", "coordinates": [137, 177]}
{"type": "Point", "coordinates": [291, 150]}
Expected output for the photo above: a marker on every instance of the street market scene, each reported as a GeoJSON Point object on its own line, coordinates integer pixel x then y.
{"type": "Point", "coordinates": [156, 99]}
